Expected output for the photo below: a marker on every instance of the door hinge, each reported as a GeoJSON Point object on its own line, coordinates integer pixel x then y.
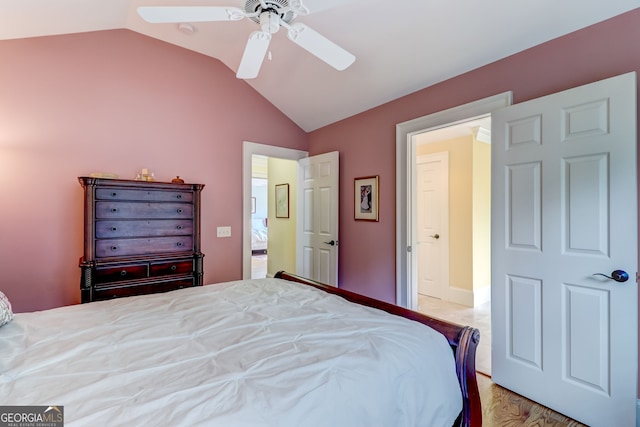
{"type": "Point", "coordinates": [408, 248]}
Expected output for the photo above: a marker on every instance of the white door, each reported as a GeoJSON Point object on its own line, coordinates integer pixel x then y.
{"type": "Point", "coordinates": [432, 187]}
{"type": "Point", "coordinates": [564, 207]}
{"type": "Point", "coordinates": [317, 248]}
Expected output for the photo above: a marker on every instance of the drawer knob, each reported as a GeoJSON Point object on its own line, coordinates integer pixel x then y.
{"type": "Point", "coordinates": [179, 196]}
{"type": "Point", "coordinates": [114, 228]}
{"type": "Point", "coordinates": [114, 248]}
{"type": "Point", "coordinates": [174, 267]}
{"type": "Point", "coordinates": [179, 227]}
{"type": "Point", "coordinates": [114, 194]}
{"type": "Point", "coordinates": [123, 273]}
{"type": "Point", "coordinates": [180, 210]}
{"type": "Point", "coordinates": [179, 244]}
{"type": "Point", "coordinates": [114, 210]}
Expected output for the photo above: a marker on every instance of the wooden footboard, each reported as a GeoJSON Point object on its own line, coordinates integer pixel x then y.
{"type": "Point", "coordinates": [463, 340]}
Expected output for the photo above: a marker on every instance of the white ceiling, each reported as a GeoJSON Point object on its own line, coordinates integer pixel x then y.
{"type": "Point", "coordinates": [401, 46]}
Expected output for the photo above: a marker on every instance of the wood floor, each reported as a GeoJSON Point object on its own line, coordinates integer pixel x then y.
{"type": "Point", "coordinates": [503, 408]}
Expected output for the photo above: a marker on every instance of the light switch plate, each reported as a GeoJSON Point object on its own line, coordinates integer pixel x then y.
{"type": "Point", "coordinates": [224, 231]}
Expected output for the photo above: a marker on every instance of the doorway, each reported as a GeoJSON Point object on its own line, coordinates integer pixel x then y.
{"type": "Point", "coordinates": [452, 212]}
{"type": "Point", "coordinates": [452, 200]}
{"type": "Point", "coordinates": [312, 213]}
{"type": "Point", "coordinates": [273, 235]}
{"type": "Point", "coordinates": [406, 256]}
{"type": "Point", "coordinates": [249, 150]}
{"type": "Point", "coordinates": [259, 216]}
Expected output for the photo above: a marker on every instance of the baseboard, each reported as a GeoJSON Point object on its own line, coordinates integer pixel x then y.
{"type": "Point", "coordinates": [469, 298]}
{"type": "Point", "coordinates": [460, 296]}
{"type": "Point", "coordinates": [481, 295]}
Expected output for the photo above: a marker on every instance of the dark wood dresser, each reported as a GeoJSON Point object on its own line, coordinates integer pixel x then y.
{"type": "Point", "coordinates": [139, 238]}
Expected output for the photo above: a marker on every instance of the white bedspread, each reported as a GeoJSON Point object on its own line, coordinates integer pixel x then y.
{"type": "Point", "coordinates": [249, 353]}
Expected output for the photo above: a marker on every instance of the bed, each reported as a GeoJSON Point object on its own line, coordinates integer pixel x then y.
{"type": "Point", "coordinates": [259, 236]}
{"type": "Point", "coordinates": [281, 351]}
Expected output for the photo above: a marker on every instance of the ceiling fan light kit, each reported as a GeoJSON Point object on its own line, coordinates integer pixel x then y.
{"type": "Point", "coordinates": [270, 15]}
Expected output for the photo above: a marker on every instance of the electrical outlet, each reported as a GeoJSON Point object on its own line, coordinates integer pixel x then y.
{"type": "Point", "coordinates": [224, 231]}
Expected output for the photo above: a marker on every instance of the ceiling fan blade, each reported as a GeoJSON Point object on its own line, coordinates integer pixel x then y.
{"type": "Point", "coordinates": [253, 55]}
{"type": "Point", "coordinates": [320, 46]}
{"type": "Point", "coordinates": [167, 14]}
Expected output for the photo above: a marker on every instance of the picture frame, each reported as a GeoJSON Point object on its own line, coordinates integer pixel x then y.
{"type": "Point", "coordinates": [282, 201]}
{"type": "Point", "coordinates": [366, 198]}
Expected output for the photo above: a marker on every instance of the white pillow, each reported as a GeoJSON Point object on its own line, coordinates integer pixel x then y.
{"type": "Point", "coordinates": [5, 310]}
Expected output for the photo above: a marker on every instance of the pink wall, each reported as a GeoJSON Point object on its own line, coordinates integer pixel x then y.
{"type": "Point", "coordinates": [116, 101]}
{"type": "Point", "coordinates": [367, 141]}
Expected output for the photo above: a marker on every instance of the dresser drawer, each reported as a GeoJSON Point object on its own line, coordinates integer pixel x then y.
{"type": "Point", "coordinates": [120, 273]}
{"type": "Point", "coordinates": [143, 195]}
{"type": "Point", "coordinates": [131, 289]}
{"type": "Point", "coordinates": [142, 228]}
{"type": "Point", "coordinates": [153, 245]}
{"type": "Point", "coordinates": [171, 267]}
{"type": "Point", "coordinates": [136, 210]}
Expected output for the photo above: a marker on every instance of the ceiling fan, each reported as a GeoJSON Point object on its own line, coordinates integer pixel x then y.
{"type": "Point", "coordinates": [270, 15]}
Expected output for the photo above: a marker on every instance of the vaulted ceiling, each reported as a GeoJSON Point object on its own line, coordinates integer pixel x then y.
{"type": "Point", "coordinates": [400, 46]}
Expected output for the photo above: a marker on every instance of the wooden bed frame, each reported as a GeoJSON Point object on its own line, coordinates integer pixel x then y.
{"type": "Point", "coordinates": [463, 340]}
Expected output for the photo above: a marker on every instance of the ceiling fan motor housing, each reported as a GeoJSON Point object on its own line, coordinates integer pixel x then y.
{"type": "Point", "coordinates": [279, 7]}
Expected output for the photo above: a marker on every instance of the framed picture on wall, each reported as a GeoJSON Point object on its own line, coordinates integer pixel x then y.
{"type": "Point", "coordinates": [282, 201]}
{"type": "Point", "coordinates": [366, 198]}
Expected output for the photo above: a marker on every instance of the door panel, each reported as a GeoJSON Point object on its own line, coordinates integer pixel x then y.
{"type": "Point", "coordinates": [524, 296]}
{"type": "Point", "coordinates": [586, 309]}
{"type": "Point", "coordinates": [523, 204]}
{"type": "Point", "coordinates": [564, 203]}
{"type": "Point", "coordinates": [585, 210]}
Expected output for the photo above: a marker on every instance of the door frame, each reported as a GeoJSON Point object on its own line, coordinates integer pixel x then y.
{"type": "Point", "coordinates": [248, 150]}
{"type": "Point", "coordinates": [406, 270]}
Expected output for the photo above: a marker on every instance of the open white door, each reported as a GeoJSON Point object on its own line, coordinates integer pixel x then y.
{"type": "Point", "coordinates": [565, 207]}
{"type": "Point", "coordinates": [317, 235]}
